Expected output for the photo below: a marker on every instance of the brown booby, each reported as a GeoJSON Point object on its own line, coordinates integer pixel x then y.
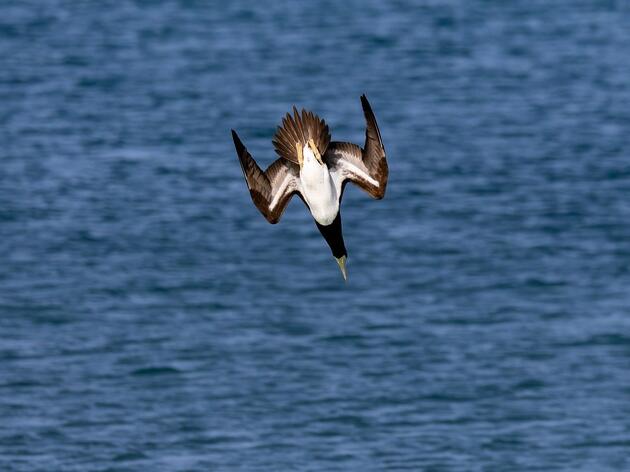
{"type": "Point", "coordinates": [317, 170]}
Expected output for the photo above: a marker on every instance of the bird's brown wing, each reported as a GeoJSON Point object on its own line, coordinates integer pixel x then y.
{"type": "Point", "coordinates": [365, 167]}
{"type": "Point", "coordinates": [272, 189]}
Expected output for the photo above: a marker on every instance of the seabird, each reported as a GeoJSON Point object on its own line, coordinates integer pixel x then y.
{"type": "Point", "coordinates": [317, 170]}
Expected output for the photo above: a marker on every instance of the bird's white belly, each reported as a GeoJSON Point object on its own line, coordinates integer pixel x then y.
{"type": "Point", "coordinates": [319, 191]}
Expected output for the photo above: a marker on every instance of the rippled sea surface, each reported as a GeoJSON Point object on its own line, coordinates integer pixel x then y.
{"type": "Point", "coordinates": [152, 320]}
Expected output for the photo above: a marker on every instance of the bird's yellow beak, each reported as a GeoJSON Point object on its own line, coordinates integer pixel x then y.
{"type": "Point", "coordinates": [341, 261]}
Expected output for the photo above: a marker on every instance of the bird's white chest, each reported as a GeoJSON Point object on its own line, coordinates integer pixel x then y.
{"type": "Point", "coordinates": [318, 190]}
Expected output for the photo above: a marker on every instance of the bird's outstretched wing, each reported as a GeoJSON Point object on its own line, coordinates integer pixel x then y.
{"type": "Point", "coordinates": [272, 189]}
{"type": "Point", "coordinates": [365, 167]}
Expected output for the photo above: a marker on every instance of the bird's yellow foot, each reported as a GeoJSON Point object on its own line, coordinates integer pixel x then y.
{"type": "Point", "coordinates": [300, 156]}
{"type": "Point", "coordinates": [318, 156]}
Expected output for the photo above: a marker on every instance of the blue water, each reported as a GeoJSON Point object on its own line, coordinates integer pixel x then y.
{"type": "Point", "coordinates": [152, 320]}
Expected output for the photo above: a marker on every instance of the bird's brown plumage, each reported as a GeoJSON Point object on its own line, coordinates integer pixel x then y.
{"type": "Point", "coordinates": [365, 167]}
{"type": "Point", "coordinates": [272, 189]}
{"type": "Point", "coordinates": [299, 128]}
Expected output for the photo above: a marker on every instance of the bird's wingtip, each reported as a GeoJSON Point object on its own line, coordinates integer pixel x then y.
{"type": "Point", "coordinates": [364, 103]}
{"type": "Point", "coordinates": [237, 142]}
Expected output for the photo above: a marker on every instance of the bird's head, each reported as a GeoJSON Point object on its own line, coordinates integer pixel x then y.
{"type": "Point", "coordinates": [334, 237]}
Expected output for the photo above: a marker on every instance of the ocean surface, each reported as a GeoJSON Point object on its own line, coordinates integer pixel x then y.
{"type": "Point", "coordinates": [152, 320]}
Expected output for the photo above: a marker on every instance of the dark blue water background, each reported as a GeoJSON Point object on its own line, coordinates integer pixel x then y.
{"type": "Point", "coordinates": [151, 320]}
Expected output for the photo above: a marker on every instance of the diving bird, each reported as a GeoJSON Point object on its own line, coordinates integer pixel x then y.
{"type": "Point", "coordinates": [317, 170]}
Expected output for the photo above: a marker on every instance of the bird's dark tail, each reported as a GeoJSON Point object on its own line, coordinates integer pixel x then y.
{"type": "Point", "coordinates": [299, 128]}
